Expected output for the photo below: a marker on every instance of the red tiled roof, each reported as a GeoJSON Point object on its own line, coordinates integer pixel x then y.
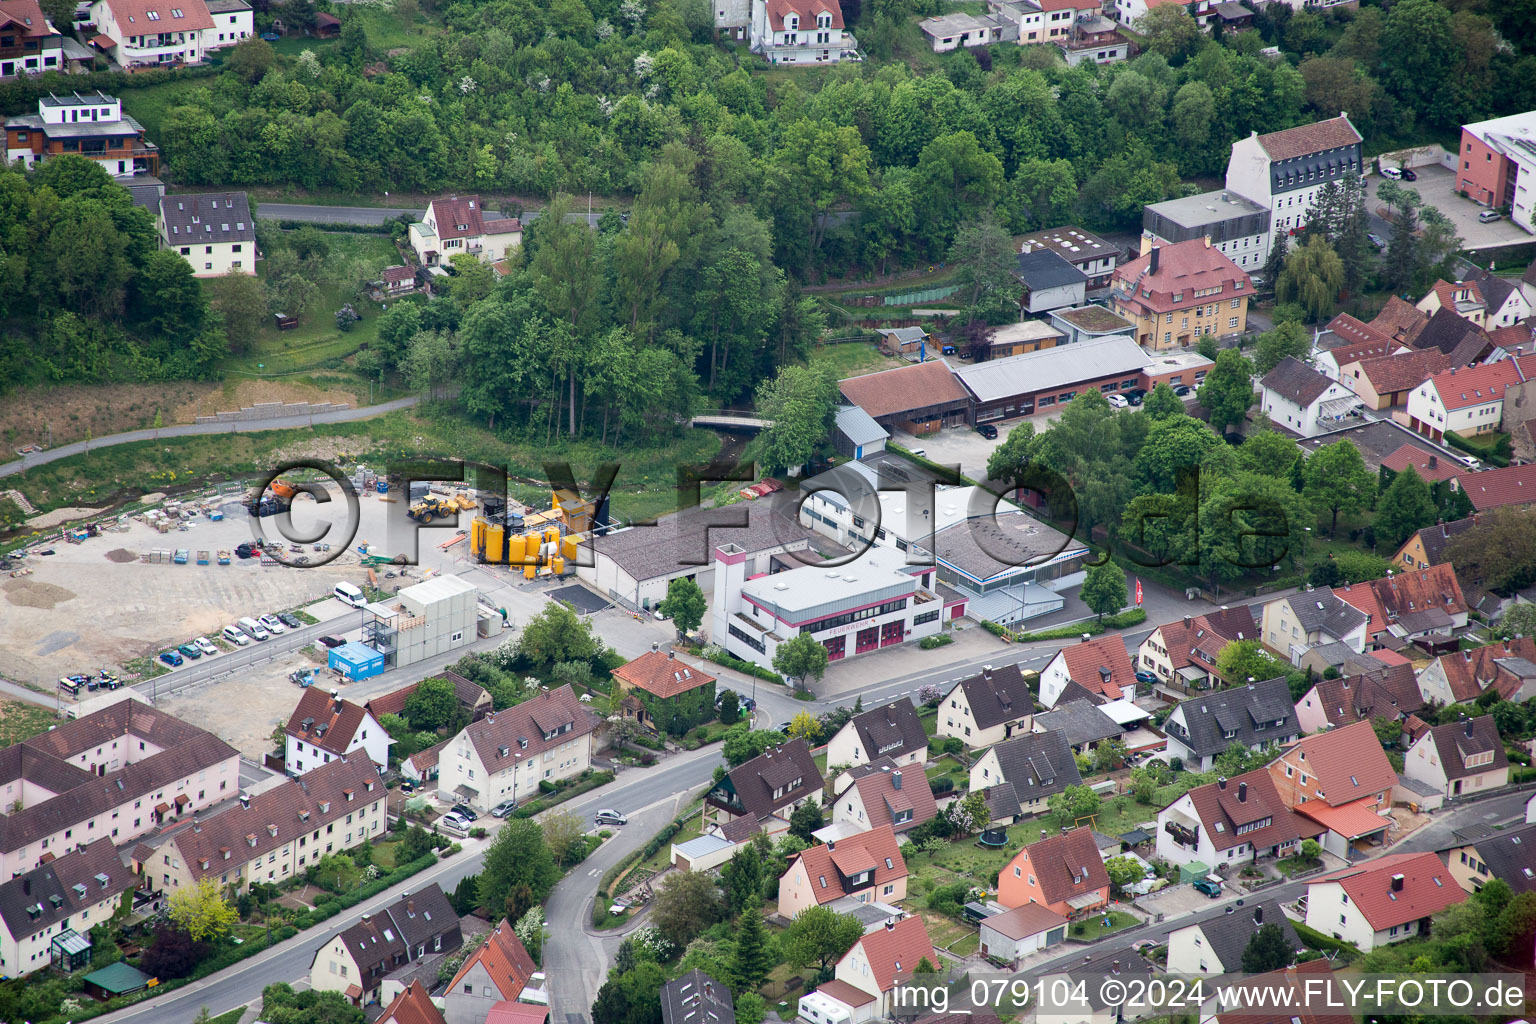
{"type": "Point", "coordinates": [1391, 693]}
{"type": "Point", "coordinates": [1479, 385]}
{"type": "Point", "coordinates": [662, 674]}
{"type": "Point", "coordinates": [1234, 806]}
{"type": "Point", "coordinates": [1429, 465]}
{"type": "Point", "coordinates": [1420, 589]}
{"type": "Point", "coordinates": [27, 16]}
{"type": "Point", "coordinates": [1404, 371]}
{"type": "Point", "coordinates": [459, 217]}
{"type": "Point", "coordinates": [1087, 663]}
{"type": "Point", "coordinates": [1445, 291]}
{"type": "Point", "coordinates": [470, 694]}
{"type": "Point", "coordinates": [1428, 888]}
{"type": "Point", "coordinates": [506, 738]}
{"type": "Point", "coordinates": [505, 960]}
{"type": "Point", "coordinates": [891, 392]}
{"type": "Point", "coordinates": [1065, 865]}
{"type": "Point", "coordinates": [397, 274]}
{"type": "Point", "coordinates": [1348, 763]}
{"type": "Point", "coordinates": [895, 950]}
{"type": "Point", "coordinates": [1362, 340]}
{"type": "Point", "coordinates": [134, 16]}
{"type": "Point", "coordinates": [1361, 596]}
{"type": "Point", "coordinates": [1400, 320]}
{"type": "Point", "coordinates": [326, 722]}
{"type": "Point", "coordinates": [1182, 268]}
{"type": "Point", "coordinates": [1351, 820]}
{"type": "Point", "coordinates": [876, 784]}
{"type": "Point", "coordinates": [1291, 994]}
{"type": "Point", "coordinates": [1515, 335]}
{"type": "Point", "coordinates": [826, 866]}
{"type": "Point", "coordinates": [1333, 133]}
{"type": "Point", "coordinates": [509, 1012]}
{"type": "Point", "coordinates": [1492, 488]}
{"type": "Point", "coordinates": [1392, 659]}
{"type": "Point", "coordinates": [1201, 639]}
{"type": "Point", "coordinates": [806, 9]}
{"type": "Point", "coordinates": [1467, 673]}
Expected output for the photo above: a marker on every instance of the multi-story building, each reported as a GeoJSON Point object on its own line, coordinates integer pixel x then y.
{"type": "Point", "coordinates": [767, 789]}
{"type": "Point", "coordinates": [799, 31]}
{"type": "Point", "coordinates": [1100, 665]}
{"type": "Point", "coordinates": [29, 44]}
{"type": "Point", "coordinates": [1215, 943]}
{"type": "Point", "coordinates": [1498, 161]}
{"type": "Point", "coordinates": [154, 33]}
{"type": "Point", "coordinates": [1086, 251]}
{"type": "Point", "coordinates": [1303, 401]}
{"type": "Point", "coordinates": [1283, 170]}
{"type": "Point", "coordinates": [212, 231]}
{"type": "Point", "coordinates": [233, 22]}
{"type": "Point", "coordinates": [1230, 821]}
{"type": "Point", "coordinates": [1019, 776]}
{"type": "Point", "coordinates": [1459, 758]}
{"type": "Point", "coordinates": [1063, 873]}
{"type": "Point", "coordinates": [1390, 693]}
{"type": "Point", "coordinates": [1466, 400]}
{"type": "Point", "coordinates": [500, 971]}
{"type": "Point", "coordinates": [91, 125]}
{"type": "Point", "coordinates": [1342, 780]}
{"type": "Point", "coordinates": [423, 621]}
{"type": "Point", "coordinates": [117, 773]}
{"type": "Point", "coordinates": [987, 708]}
{"type": "Point", "coordinates": [415, 926]}
{"type": "Point", "coordinates": [462, 224]}
{"type": "Point", "coordinates": [891, 730]}
{"type": "Point", "coordinates": [1481, 854]}
{"type": "Point", "coordinates": [866, 867]}
{"type": "Point", "coordinates": [877, 793]}
{"type": "Point", "coordinates": [276, 834]}
{"type": "Point", "coordinates": [1388, 381]}
{"type": "Point", "coordinates": [505, 755]}
{"type": "Point", "coordinates": [46, 914]}
{"type": "Point", "coordinates": [697, 998]}
{"type": "Point", "coordinates": [1293, 625]}
{"type": "Point", "coordinates": [1094, 40]}
{"type": "Point", "coordinates": [866, 979]}
{"type": "Point", "coordinates": [1236, 226]}
{"type": "Point", "coordinates": [1184, 653]}
{"type": "Point", "coordinates": [1257, 715]}
{"type": "Point", "coordinates": [1175, 293]}
{"type": "Point", "coordinates": [956, 31]}
{"type": "Point", "coordinates": [1383, 901]}
{"type": "Point", "coordinates": [324, 727]}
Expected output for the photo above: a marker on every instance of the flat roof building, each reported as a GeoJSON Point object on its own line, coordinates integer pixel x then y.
{"type": "Point", "coordinates": [1037, 381]}
{"type": "Point", "coordinates": [1088, 323]}
{"type": "Point", "coordinates": [1236, 226]}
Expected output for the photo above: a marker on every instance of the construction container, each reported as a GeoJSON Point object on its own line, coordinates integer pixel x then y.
{"type": "Point", "coordinates": [568, 546]}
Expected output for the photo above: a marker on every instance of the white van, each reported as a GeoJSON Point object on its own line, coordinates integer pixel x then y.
{"type": "Point", "coordinates": [254, 629]}
{"type": "Point", "coordinates": [349, 594]}
{"type": "Point", "coordinates": [234, 636]}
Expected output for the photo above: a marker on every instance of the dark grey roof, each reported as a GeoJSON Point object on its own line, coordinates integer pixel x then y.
{"type": "Point", "coordinates": [1445, 330]}
{"type": "Point", "coordinates": [381, 943]}
{"type": "Point", "coordinates": [697, 998]}
{"type": "Point", "coordinates": [890, 730]}
{"type": "Point", "coordinates": [204, 217]}
{"type": "Point", "coordinates": [1079, 721]}
{"type": "Point", "coordinates": [754, 782]}
{"type": "Point", "coordinates": [997, 695]}
{"type": "Point", "coordinates": [1046, 268]}
{"type": "Point", "coordinates": [1119, 962]}
{"type": "Point", "coordinates": [686, 541]}
{"type": "Point", "coordinates": [972, 546]}
{"type": "Point", "coordinates": [1436, 538]}
{"type": "Point", "coordinates": [1457, 740]}
{"type": "Point", "coordinates": [1297, 382]}
{"type": "Point", "coordinates": [79, 129]}
{"type": "Point", "coordinates": [226, 6]}
{"type": "Point", "coordinates": [1038, 764]}
{"type": "Point", "coordinates": [1227, 935]}
{"type": "Point", "coordinates": [77, 99]}
{"type": "Point", "coordinates": [1242, 710]}
{"type": "Point", "coordinates": [1510, 855]}
{"type": "Point", "coordinates": [1076, 691]}
{"type": "Point", "coordinates": [37, 900]}
{"type": "Point", "coordinates": [1322, 610]}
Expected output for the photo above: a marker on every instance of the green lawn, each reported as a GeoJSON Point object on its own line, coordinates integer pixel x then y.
{"type": "Point", "coordinates": [232, 1017]}
{"type": "Point", "coordinates": [852, 358]}
{"type": "Point", "coordinates": [1483, 444]}
{"type": "Point", "coordinates": [148, 104]}
{"type": "Point", "coordinates": [21, 720]}
{"type": "Point", "coordinates": [1090, 928]}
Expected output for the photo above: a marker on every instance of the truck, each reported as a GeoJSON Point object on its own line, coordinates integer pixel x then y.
{"type": "Point", "coordinates": [180, 558]}
{"type": "Point", "coordinates": [202, 557]}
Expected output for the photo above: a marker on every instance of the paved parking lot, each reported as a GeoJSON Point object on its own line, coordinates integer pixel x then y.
{"type": "Point", "coordinates": [1175, 901]}
{"type": "Point", "coordinates": [965, 447]}
{"type": "Point", "coordinates": [1436, 187]}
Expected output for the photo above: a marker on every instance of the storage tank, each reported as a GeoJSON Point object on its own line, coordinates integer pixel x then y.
{"type": "Point", "coordinates": [558, 565]}
{"type": "Point", "coordinates": [477, 538]}
{"type": "Point", "coordinates": [529, 570]}
{"type": "Point", "coordinates": [494, 538]}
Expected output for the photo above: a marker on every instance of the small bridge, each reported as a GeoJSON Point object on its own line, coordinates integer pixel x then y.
{"type": "Point", "coordinates": [729, 420]}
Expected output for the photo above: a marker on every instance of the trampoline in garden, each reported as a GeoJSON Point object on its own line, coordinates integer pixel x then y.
{"type": "Point", "coordinates": [995, 837]}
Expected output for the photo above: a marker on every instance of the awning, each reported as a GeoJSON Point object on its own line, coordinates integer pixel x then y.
{"type": "Point", "coordinates": [1351, 820]}
{"type": "Point", "coordinates": [162, 808]}
{"type": "Point", "coordinates": [1085, 900]}
{"type": "Point", "coordinates": [354, 992]}
{"type": "Point", "coordinates": [1134, 836]}
{"type": "Point", "coordinates": [105, 42]}
{"type": "Point", "coordinates": [182, 799]}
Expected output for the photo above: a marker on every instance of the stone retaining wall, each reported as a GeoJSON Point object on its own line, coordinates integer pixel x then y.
{"type": "Point", "coordinates": [274, 411]}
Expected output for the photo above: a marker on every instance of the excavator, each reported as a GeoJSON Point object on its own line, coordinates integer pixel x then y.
{"type": "Point", "coordinates": [279, 500]}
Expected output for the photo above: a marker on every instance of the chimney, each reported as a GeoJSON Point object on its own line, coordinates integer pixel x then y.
{"type": "Point", "coordinates": [1397, 883]}
{"type": "Point", "coordinates": [1469, 728]}
{"type": "Point", "coordinates": [1434, 460]}
{"type": "Point", "coordinates": [1221, 782]}
{"type": "Point", "coordinates": [896, 780]}
{"type": "Point", "coordinates": [245, 800]}
{"type": "Point", "coordinates": [890, 925]}
{"type": "Point", "coordinates": [367, 918]}
{"type": "Point", "coordinates": [1146, 243]}
{"type": "Point", "coordinates": [671, 655]}
{"type": "Point", "coordinates": [1242, 792]}
{"type": "Point", "coordinates": [1258, 915]}
{"type": "Point", "coordinates": [1207, 241]}
{"type": "Point", "coordinates": [655, 647]}
{"type": "Point", "coordinates": [986, 672]}
{"type": "Point", "coordinates": [1152, 266]}
{"type": "Point", "coordinates": [1084, 638]}
{"type": "Point", "coordinates": [1189, 621]}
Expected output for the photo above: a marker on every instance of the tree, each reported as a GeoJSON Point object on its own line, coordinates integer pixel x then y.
{"type": "Point", "coordinates": [804, 726]}
{"type": "Point", "coordinates": [1497, 552]}
{"type": "Point", "coordinates": [1009, 460]}
{"type": "Point", "coordinates": [1073, 804]}
{"type": "Point", "coordinates": [516, 857]}
{"type": "Point", "coordinates": [251, 60]}
{"type": "Point", "coordinates": [799, 403]}
{"type": "Point", "coordinates": [1312, 277]}
{"type": "Point", "coordinates": [742, 878]}
{"type": "Point", "coordinates": [686, 903]}
{"type": "Point", "coordinates": [1170, 31]}
{"type": "Point", "coordinates": [1243, 660]}
{"type": "Point", "coordinates": [1174, 447]}
{"type": "Point", "coordinates": [1267, 452]}
{"type": "Point", "coordinates": [201, 911]}
{"type": "Point", "coordinates": [556, 634]}
{"type": "Point", "coordinates": [466, 895]}
{"type": "Point", "coordinates": [280, 1004]}
{"type": "Point", "coordinates": [1228, 389]}
{"type": "Point", "coordinates": [1311, 849]}
{"type": "Point", "coordinates": [1108, 755]}
{"type": "Point", "coordinates": [1337, 480]}
{"type": "Point", "coordinates": [1104, 590]}
{"type": "Point", "coordinates": [239, 299]}
{"type": "Point", "coordinates": [986, 259]}
{"type": "Point", "coordinates": [172, 953]}
{"type": "Point", "coordinates": [1267, 950]}
{"type": "Point", "coordinates": [1161, 403]}
{"type": "Point", "coordinates": [415, 844]}
{"type": "Point", "coordinates": [1516, 926]}
{"type": "Point", "coordinates": [1287, 339]}
{"type": "Point", "coordinates": [1123, 871]}
{"type": "Point", "coordinates": [752, 955]}
{"type": "Point", "coordinates": [742, 743]}
{"type": "Point", "coordinates": [1274, 263]}
{"type": "Point", "coordinates": [820, 936]}
{"type": "Point", "coordinates": [684, 604]}
{"type": "Point", "coordinates": [1208, 347]}
{"type": "Point", "coordinates": [729, 710]}
{"type": "Point", "coordinates": [631, 997]}
{"type": "Point", "coordinates": [564, 834]}
{"type": "Point", "coordinates": [1519, 621]}
{"type": "Point", "coordinates": [433, 705]}
{"type": "Point", "coordinates": [805, 819]}
{"type": "Point", "coordinates": [800, 658]}
{"type": "Point", "coordinates": [1403, 508]}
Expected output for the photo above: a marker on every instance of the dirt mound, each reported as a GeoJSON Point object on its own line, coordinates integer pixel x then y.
{"type": "Point", "coordinates": [121, 555]}
{"type": "Point", "coordinates": [33, 594]}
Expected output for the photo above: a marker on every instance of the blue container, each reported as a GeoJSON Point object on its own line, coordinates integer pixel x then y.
{"type": "Point", "coordinates": [382, 486]}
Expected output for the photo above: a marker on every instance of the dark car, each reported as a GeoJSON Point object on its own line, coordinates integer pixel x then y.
{"type": "Point", "coordinates": [783, 727]}
{"type": "Point", "coordinates": [987, 431]}
{"type": "Point", "coordinates": [1205, 885]}
{"type": "Point", "coordinates": [332, 641]}
{"type": "Point", "coordinates": [1146, 677]}
{"type": "Point", "coordinates": [171, 658]}
{"type": "Point", "coordinates": [190, 651]}
{"type": "Point", "coordinates": [1135, 395]}
{"type": "Point", "coordinates": [1183, 390]}
{"type": "Point", "coordinates": [463, 811]}
{"type": "Point", "coordinates": [1408, 175]}
{"type": "Point", "coordinates": [291, 621]}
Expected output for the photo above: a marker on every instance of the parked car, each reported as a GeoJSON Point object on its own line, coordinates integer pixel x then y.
{"type": "Point", "coordinates": [1135, 395]}
{"type": "Point", "coordinates": [1117, 401]}
{"type": "Point", "coordinates": [454, 822]}
{"type": "Point", "coordinates": [205, 645]}
{"type": "Point", "coordinates": [291, 621]}
{"type": "Point", "coordinates": [783, 727]}
{"type": "Point", "coordinates": [1408, 174]}
{"type": "Point", "coordinates": [235, 636]}
{"type": "Point", "coordinates": [171, 658]}
{"type": "Point", "coordinates": [1489, 216]}
{"type": "Point", "coordinates": [1205, 885]}
{"type": "Point", "coordinates": [191, 651]}
{"type": "Point", "coordinates": [1391, 172]}
{"type": "Point", "coordinates": [608, 816]}
{"type": "Point", "coordinates": [504, 808]}
{"type": "Point", "coordinates": [272, 624]}
{"type": "Point", "coordinates": [987, 431]}
{"type": "Point", "coordinates": [1376, 240]}
{"type": "Point", "coordinates": [464, 811]}
{"type": "Point", "coordinates": [1146, 677]}
{"type": "Point", "coordinates": [331, 641]}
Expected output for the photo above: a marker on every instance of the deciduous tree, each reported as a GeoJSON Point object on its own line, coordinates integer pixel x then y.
{"type": "Point", "coordinates": [1227, 391]}
{"type": "Point", "coordinates": [201, 911]}
{"type": "Point", "coordinates": [800, 658]}
{"type": "Point", "coordinates": [684, 604]}
{"type": "Point", "coordinates": [1403, 508]}
{"type": "Point", "coordinates": [1337, 480]}
{"type": "Point", "coordinates": [686, 903]}
{"type": "Point", "coordinates": [820, 936]}
{"type": "Point", "coordinates": [1104, 590]}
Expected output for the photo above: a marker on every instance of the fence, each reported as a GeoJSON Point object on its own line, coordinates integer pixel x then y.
{"type": "Point", "coordinates": [926, 295]}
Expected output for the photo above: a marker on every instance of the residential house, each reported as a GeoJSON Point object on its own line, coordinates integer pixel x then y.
{"type": "Point", "coordinates": [954, 31]}
{"type": "Point", "coordinates": [1342, 780]}
{"type": "Point", "coordinates": [890, 731]}
{"type": "Point", "coordinates": [1214, 943]}
{"type": "Point", "coordinates": [1468, 400]}
{"type": "Point", "coordinates": [422, 766]}
{"type": "Point", "coordinates": [697, 998]}
{"type": "Point", "coordinates": [1400, 321]}
{"type": "Point", "coordinates": [91, 125]}
{"type": "Point", "coordinates": [1184, 652]}
{"type": "Point", "coordinates": [867, 867]}
{"type": "Point", "coordinates": [47, 913]}
{"type": "Point", "coordinates": [1283, 171]}
{"type": "Point", "coordinates": [1496, 488]}
{"type": "Point", "coordinates": [987, 709]}
{"type": "Point", "coordinates": [1386, 382]}
{"type": "Point", "coordinates": [1304, 994]}
{"type": "Point", "coordinates": [1231, 821]}
{"type": "Point", "coordinates": [1063, 873]}
{"type": "Point", "coordinates": [324, 727]}
{"type": "Point", "coordinates": [497, 972]}
{"type": "Point", "coordinates": [149, 33]}
{"type": "Point", "coordinates": [505, 755]}
{"type": "Point", "coordinates": [474, 701]}
{"type": "Point", "coordinates": [1021, 774]}
{"type": "Point", "coordinates": [1049, 281]}
{"type": "Point", "coordinates": [1459, 758]}
{"type": "Point", "coordinates": [1382, 901]}
{"type": "Point", "coordinates": [1462, 676]}
{"type": "Point", "coordinates": [355, 961]}
{"type": "Point", "coordinates": [866, 978]}
{"type": "Point", "coordinates": [1303, 401]}
{"type": "Point", "coordinates": [411, 1006]}
{"type": "Point", "coordinates": [1464, 298]}
{"type": "Point", "coordinates": [800, 31]}
{"type": "Point", "coordinates": [673, 695]}
{"type": "Point", "coordinates": [1509, 854]}
{"type": "Point", "coordinates": [460, 225]}
{"type": "Point", "coordinates": [1291, 625]}
{"type": "Point", "coordinates": [881, 793]}
{"type": "Point", "coordinates": [767, 788]}
{"type": "Point", "coordinates": [1497, 164]}
{"type": "Point", "coordinates": [1103, 1004]}
{"type": "Point", "coordinates": [1083, 724]}
{"type": "Point", "coordinates": [1504, 304]}
{"type": "Point", "coordinates": [1431, 466]}
{"type": "Point", "coordinates": [233, 22]}
{"type": "Point", "coordinates": [29, 44]}
{"type": "Point", "coordinates": [1094, 40]}
{"type": "Point", "coordinates": [1405, 606]}
{"type": "Point", "coordinates": [1027, 928]}
{"type": "Point", "coordinates": [1392, 694]}
{"type": "Point", "coordinates": [1357, 341]}
{"type": "Point", "coordinates": [276, 834]}
{"type": "Point", "coordinates": [1176, 293]}
{"type": "Point", "coordinates": [1254, 715]}
{"type": "Point", "coordinates": [213, 231]}
{"type": "Point", "coordinates": [118, 773]}
{"type": "Point", "coordinates": [1101, 665]}
{"type": "Point", "coordinates": [1466, 343]}
{"type": "Point", "coordinates": [1426, 547]}
{"type": "Point", "coordinates": [1086, 251]}
{"type": "Point", "coordinates": [397, 281]}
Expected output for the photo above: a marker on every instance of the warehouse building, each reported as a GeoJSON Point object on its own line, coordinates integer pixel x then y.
{"type": "Point", "coordinates": [1039, 381]}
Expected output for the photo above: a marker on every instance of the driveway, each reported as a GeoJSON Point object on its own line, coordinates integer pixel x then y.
{"type": "Point", "coordinates": [1436, 187]}
{"type": "Point", "coordinates": [964, 446]}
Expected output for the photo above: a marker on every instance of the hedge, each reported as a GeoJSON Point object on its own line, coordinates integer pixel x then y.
{"type": "Point", "coordinates": [1327, 943]}
{"type": "Point", "coordinates": [731, 661]}
{"type": "Point", "coordinates": [660, 839]}
{"type": "Point", "coordinates": [596, 779]}
{"type": "Point", "coordinates": [928, 643]}
{"type": "Point", "coordinates": [1498, 455]}
{"type": "Point", "coordinates": [386, 228]}
{"type": "Point", "coordinates": [373, 888]}
{"type": "Point", "coordinates": [20, 95]}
